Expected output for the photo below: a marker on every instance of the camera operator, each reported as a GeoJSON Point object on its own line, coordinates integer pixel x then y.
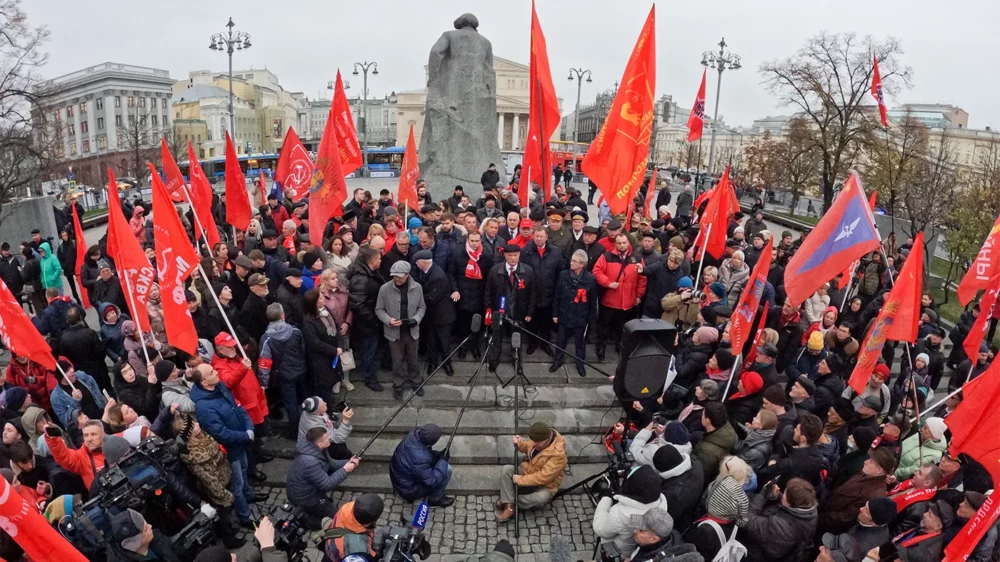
{"type": "Point", "coordinates": [315, 414]}
{"type": "Point", "coordinates": [352, 529]}
{"type": "Point", "coordinates": [417, 471]}
{"type": "Point", "coordinates": [615, 520]}
{"type": "Point", "coordinates": [314, 475]}
{"type": "Point", "coordinates": [134, 539]}
{"type": "Point", "coordinates": [265, 538]}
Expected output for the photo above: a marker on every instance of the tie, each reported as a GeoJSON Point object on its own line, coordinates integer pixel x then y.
{"type": "Point", "coordinates": [513, 281]}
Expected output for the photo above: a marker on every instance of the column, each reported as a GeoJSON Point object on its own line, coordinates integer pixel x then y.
{"type": "Point", "coordinates": [78, 137]}
{"type": "Point", "coordinates": [92, 124]}
{"type": "Point", "coordinates": [515, 137]}
{"type": "Point", "coordinates": [109, 122]}
{"type": "Point", "coordinates": [500, 130]}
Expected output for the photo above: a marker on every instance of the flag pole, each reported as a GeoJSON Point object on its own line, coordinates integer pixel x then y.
{"type": "Point", "coordinates": [939, 402]}
{"type": "Point", "coordinates": [128, 289]}
{"type": "Point", "coordinates": [65, 376]}
{"type": "Point", "coordinates": [701, 263]}
{"type": "Point", "coordinates": [732, 373]}
{"type": "Point", "coordinates": [850, 284]}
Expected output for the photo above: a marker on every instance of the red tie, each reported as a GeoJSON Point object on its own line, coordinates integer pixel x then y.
{"type": "Point", "coordinates": [513, 281]}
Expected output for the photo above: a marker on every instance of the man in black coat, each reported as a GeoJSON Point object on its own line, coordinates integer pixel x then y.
{"type": "Point", "coordinates": [490, 178]}
{"type": "Point", "coordinates": [510, 288]}
{"type": "Point", "coordinates": [290, 297]}
{"type": "Point", "coordinates": [253, 315]}
{"type": "Point", "coordinates": [804, 460]}
{"type": "Point", "coordinates": [546, 261]}
{"type": "Point", "coordinates": [364, 282]}
{"type": "Point", "coordinates": [440, 295]}
{"type": "Point", "coordinates": [108, 288]}
{"type": "Point", "coordinates": [469, 268]}
{"type": "Point", "coordinates": [10, 271]}
{"type": "Point", "coordinates": [662, 275]}
{"type": "Point", "coordinates": [84, 348]}
{"type": "Point", "coordinates": [400, 251]}
{"type": "Point", "coordinates": [574, 309]}
{"type": "Point", "coordinates": [237, 282]}
{"type": "Point", "coordinates": [588, 243]}
{"type": "Point", "coordinates": [683, 481]}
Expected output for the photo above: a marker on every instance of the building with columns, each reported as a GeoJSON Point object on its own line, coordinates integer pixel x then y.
{"type": "Point", "coordinates": [512, 107]}
{"type": "Point", "coordinates": [102, 114]}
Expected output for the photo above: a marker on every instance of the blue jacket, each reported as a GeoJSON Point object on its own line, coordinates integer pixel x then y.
{"type": "Point", "coordinates": [313, 475]}
{"type": "Point", "coordinates": [416, 469]}
{"type": "Point", "coordinates": [575, 302]}
{"type": "Point", "coordinates": [52, 322]}
{"type": "Point", "coordinates": [282, 351]}
{"type": "Point", "coordinates": [64, 405]}
{"type": "Point", "coordinates": [805, 364]}
{"type": "Point", "coordinates": [222, 418]}
{"type": "Point", "coordinates": [310, 279]}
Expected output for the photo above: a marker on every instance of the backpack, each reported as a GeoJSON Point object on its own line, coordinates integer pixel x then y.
{"type": "Point", "coordinates": [731, 550]}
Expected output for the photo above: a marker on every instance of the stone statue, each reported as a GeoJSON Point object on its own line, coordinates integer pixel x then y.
{"type": "Point", "coordinates": [459, 138]}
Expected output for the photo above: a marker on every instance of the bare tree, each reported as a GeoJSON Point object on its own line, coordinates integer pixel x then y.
{"type": "Point", "coordinates": [893, 157]}
{"type": "Point", "coordinates": [25, 136]}
{"type": "Point", "coordinates": [763, 166]}
{"type": "Point", "coordinates": [137, 137]}
{"type": "Point", "coordinates": [926, 192]}
{"type": "Point", "coordinates": [829, 81]}
{"type": "Point", "coordinates": [800, 159]}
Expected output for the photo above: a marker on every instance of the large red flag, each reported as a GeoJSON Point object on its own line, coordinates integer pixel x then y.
{"type": "Point", "coordinates": [696, 121]}
{"type": "Point", "coordinates": [722, 205]}
{"type": "Point", "coordinates": [974, 339]}
{"type": "Point", "coordinates": [960, 547]}
{"type": "Point", "coordinates": [201, 198]}
{"type": "Point", "coordinates": [175, 258]}
{"type": "Point", "coordinates": [543, 116]}
{"type": "Point", "coordinates": [650, 193]}
{"type": "Point", "coordinates": [902, 305]}
{"type": "Point", "coordinates": [981, 271]}
{"type": "Point", "coordinates": [975, 423]}
{"type": "Point", "coordinates": [29, 529]}
{"type": "Point", "coordinates": [327, 190]}
{"type": "Point", "coordinates": [877, 94]}
{"type": "Point", "coordinates": [749, 301]}
{"type": "Point", "coordinates": [175, 179]}
{"type": "Point", "coordinates": [351, 157]}
{"type": "Point", "coordinates": [134, 271]}
{"type": "Point", "coordinates": [409, 173]}
{"type": "Point", "coordinates": [238, 212]}
{"type": "Point", "coordinates": [81, 255]}
{"type": "Point", "coordinates": [848, 273]}
{"type": "Point", "coordinates": [19, 334]}
{"type": "Point", "coordinates": [617, 158]}
{"type": "Point", "coordinates": [294, 169]}
{"type": "Point", "coordinates": [758, 338]}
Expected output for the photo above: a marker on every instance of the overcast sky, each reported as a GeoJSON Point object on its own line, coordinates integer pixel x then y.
{"type": "Point", "coordinates": [304, 42]}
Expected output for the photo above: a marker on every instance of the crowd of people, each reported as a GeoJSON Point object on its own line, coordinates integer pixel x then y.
{"type": "Point", "coordinates": [786, 461]}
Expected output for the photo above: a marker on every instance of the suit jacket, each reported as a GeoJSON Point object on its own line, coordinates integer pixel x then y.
{"type": "Point", "coordinates": [520, 301]}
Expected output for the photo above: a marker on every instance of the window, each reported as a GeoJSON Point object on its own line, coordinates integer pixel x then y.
{"type": "Point", "coordinates": [72, 148]}
{"type": "Point", "coordinates": [152, 103]}
{"type": "Point", "coordinates": [99, 103]}
{"type": "Point", "coordinates": [163, 103]}
{"type": "Point", "coordinates": [118, 120]}
{"type": "Point", "coordinates": [84, 127]}
{"type": "Point", "coordinates": [131, 120]}
{"type": "Point", "coordinates": [71, 128]}
{"type": "Point", "coordinates": [83, 108]}
{"type": "Point", "coordinates": [69, 111]}
{"type": "Point", "coordinates": [130, 101]}
{"type": "Point", "coordinates": [86, 146]}
{"type": "Point", "coordinates": [118, 101]}
{"type": "Point", "coordinates": [100, 123]}
{"type": "Point", "coordinates": [58, 115]}
{"type": "Point", "coordinates": [142, 102]}
{"type": "Point", "coordinates": [177, 115]}
{"type": "Point", "coordinates": [164, 121]}
{"type": "Point", "coordinates": [154, 121]}
{"type": "Point", "coordinates": [199, 139]}
{"type": "Point", "coordinates": [102, 142]}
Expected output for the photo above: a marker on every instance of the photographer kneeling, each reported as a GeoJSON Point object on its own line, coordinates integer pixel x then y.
{"type": "Point", "coordinates": [314, 475]}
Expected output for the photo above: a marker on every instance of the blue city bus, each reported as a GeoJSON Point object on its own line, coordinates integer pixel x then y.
{"type": "Point", "coordinates": [385, 162]}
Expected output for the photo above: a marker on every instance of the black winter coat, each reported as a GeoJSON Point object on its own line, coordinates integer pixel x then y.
{"type": "Point", "coordinates": [801, 462]}
{"type": "Point", "coordinates": [391, 257]}
{"type": "Point", "coordinates": [691, 361]}
{"type": "Point", "coordinates": [789, 340]}
{"type": "Point", "coordinates": [576, 298]}
{"type": "Point", "coordinates": [321, 347]}
{"type": "Point", "coordinates": [742, 410]}
{"type": "Point", "coordinates": [109, 291]}
{"type": "Point", "coordinates": [520, 298]}
{"type": "Point", "coordinates": [66, 253]}
{"type": "Point", "coordinates": [437, 295]}
{"type": "Point", "coordinates": [683, 492]}
{"type": "Point", "coordinates": [291, 301]}
{"type": "Point", "coordinates": [84, 348]}
{"type": "Point", "coordinates": [143, 397]}
{"type": "Point", "coordinates": [253, 315]}
{"type": "Point", "coordinates": [31, 274]}
{"type": "Point", "coordinates": [10, 273]}
{"type": "Point", "coordinates": [660, 280]}
{"type": "Point", "coordinates": [546, 268]}
{"type": "Point", "coordinates": [594, 252]}
{"type": "Point", "coordinates": [89, 274]}
{"type": "Point", "coordinates": [472, 290]}
{"type": "Point", "coordinates": [777, 533]}
{"type": "Point", "coordinates": [364, 284]}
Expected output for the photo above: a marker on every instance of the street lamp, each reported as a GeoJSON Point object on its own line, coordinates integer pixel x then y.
{"type": "Point", "coordinates": [578, 74]}
{"type": "Point", "coordinates": [230, 41]}
{"type": "Point", "coordinates": [364, 66]}
{"type": "Point", "coordinates": [722, 60]}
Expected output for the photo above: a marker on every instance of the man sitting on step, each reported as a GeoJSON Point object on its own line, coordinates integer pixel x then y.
{"type": "Point", "coordinates": [540, 475]}
{"type": "Point", "coordinates": [418, 471]}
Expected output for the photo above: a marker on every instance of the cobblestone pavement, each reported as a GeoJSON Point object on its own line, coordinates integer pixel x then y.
{"type": "Point", "coordinates": [470, 527]}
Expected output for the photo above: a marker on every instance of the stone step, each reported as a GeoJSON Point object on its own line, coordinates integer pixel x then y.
{"type": "Point", "coordinates": [465, 479]}
{"type": "Point", "coordinates": [452, 392]}
{"type": "Point", "coordinates": [537, 373]}
{"type": "Point", "coordinates": [465, 449]}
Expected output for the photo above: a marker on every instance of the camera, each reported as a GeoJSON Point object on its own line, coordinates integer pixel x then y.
{"type": "Point", "coordinates": [697, 295]}
{"type": "Point", "coordinates": [619, 465]}
{"type": "Point", "coordinates": [196, 535]}
{"type": "Point", "coordinates": [289, 531]}
{"type": "Point", "coordinates": [339, 407]}
{"type": "Point", "coordinates": [404, 544]}
{"type": "Point", "coordinates": [609, 552]}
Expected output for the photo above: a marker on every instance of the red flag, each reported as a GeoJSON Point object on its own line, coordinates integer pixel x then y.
{"type": "Point", "coordinates": [757, 339]}
{"type": "Point", "coordinates": [960, 547]}
{"type": "Point", "coordinates": [238, 212]}
{"type": "Point", "coordinates": [696, 121]}
{"type": "Point", "coordinates": [175, 258]}
{"type": "Point", "coordinates": [749, 301]}
{"type": "Point", "coordinates": [902, 306]}
{"type": "Point", "coordinates": [327, 190]}
{"type": "Point", "coordinates": [617, 158]}
{"type": "Point", "coordinates": [649, 196]}
{"type": "Point", "coordinates": [409, 173]}
{"type": "Point", "coordinates": [261, 198]}
{"type": "Point", "coordinates": [134, 271]}
{"type": "Point", "coordinates": [29, 529]}
{"type": "Point", "coordinates": [175, 179]}
{"type": "Point", "coordinates": [347, 136]}
{"type": "Point", "coordinates": [845, 277]}
{"type": "Point", "coordinates": [201, 198]}
{"type": "Point", "coordinates": [19, 334]}
{"type": "Point", "coordinates": [981, 271]}
{"type": "Point", "coordinates": [877, 94]}
{"type": "Point", "coordinates": [81, 255]}
{"type": "Point", "coordinates": [974, 339]}
{"type": "Point", "coordinates": [722, 205]}
{"type": "Point", "coordinates": [294, 167]}
{"type": "Point", "coordinates": [975, 423]}
{"type": "Point", "coordinates": [702, 197]}
{"type": "Point", "coordinates": [543, 116]}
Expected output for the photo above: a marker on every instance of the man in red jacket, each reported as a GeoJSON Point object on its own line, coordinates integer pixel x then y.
{"type": "Point", "coordinates": [240, 379]}
{"type": "Point", "coordinates": [624, 288]}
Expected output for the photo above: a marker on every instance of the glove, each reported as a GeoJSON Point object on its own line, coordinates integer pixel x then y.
{"type": "Point", "coordinates": [411, 322]}
{"type": "Point", "coordinates": [250, 434]}
{"type": "Point", "coordinates": [208, 510]}
{"type": "Point", "coordinates": [488, 319]}
{"type": "Point", "coordinates": [446, 455]}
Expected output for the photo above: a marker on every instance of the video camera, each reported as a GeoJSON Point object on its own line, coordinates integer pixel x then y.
{"type": "Point", "coordinates": [609, 552]}
{"type": "Point", "coordinates": [619, 465]}
{"type": "Point", "coordinates": [402, 544]}
{"type": "Point", "coordinates": [289, 532]}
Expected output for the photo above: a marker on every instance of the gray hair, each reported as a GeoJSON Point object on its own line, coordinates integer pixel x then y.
{"type": "Point", "coordinates": [403, 236]}
{"type": "Point", "coordinates": [274, 312]}
{"type": "Point", "coordinates": [581, 255]}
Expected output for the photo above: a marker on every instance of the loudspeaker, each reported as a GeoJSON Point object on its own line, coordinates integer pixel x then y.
{"type": "Point", "coordinates": [647, 347]}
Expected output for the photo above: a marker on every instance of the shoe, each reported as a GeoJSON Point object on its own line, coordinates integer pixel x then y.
{"type": "Point", "coordinates": [498, 507]}
{"type": "Point", "coordinates": [476, 354]}
{"type": "Point", "coordinates": [508, 513]}
{"type": "Point", "coordinates": [555, 367]}
{"type": "Point", "coordinates": [348, 386]}
{"type": "Point", "coordinates": [600, 354]}
{"type": "Point", "coordinates": [336, 388]}
{"type": "Point", "coordinates": [419, 391]}
{"type": "Point", "coordinates": [274, 412]}
{"type": "Point", "coordinates": [233, 543]}
{"type": "Point", "coordinates": [249, 525]}
{"type": "Point", "coordinates": [547, 349]}
{"type": "Point", "coordinates": [258, 475]}
{"type": "Point", "coordinates": [397, 394]}
{"type": "Point", "coordinates": [449, 370]}
{"type": "Point", "coordinates": [492, 366]}
{"type": "Point", "coordinates": [443, 502]}
{"type": "Point", "coordinates": [581, 370]}
{"type": "Point", "coordinates": [259, 497]}
{"type": "Point", "coordinates": [531, 349]}
{"type": "Point", "coordinates": [461, 354]}
{"type": "Point", "coordinates": [263, 457]}
{"type": "Point", "coordinates": [375, 386]}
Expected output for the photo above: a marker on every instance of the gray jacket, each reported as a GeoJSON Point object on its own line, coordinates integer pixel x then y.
{"type": "Point", "coordinates": [177, 392]}
{"type": "Point", "coordinates": [339, 431]}
{"type": "Point", "coordinates": [387, 307]}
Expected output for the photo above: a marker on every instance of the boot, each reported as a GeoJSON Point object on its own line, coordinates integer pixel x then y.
{"type": "Point", "coordinates": [600, 353]}
{"type": "Point", "coordinates": [507, 514]}
{"type": "Point", "coordinates": [476, 354]}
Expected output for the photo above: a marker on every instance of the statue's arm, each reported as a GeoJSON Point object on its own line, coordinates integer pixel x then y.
{"type": "Point", "coordinates": [438, 53]}
{"type": "Point", "coordinates": [491, 77]}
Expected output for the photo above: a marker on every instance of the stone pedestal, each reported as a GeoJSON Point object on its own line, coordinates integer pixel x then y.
{"type": "Point", "coordinates": [18, 219]}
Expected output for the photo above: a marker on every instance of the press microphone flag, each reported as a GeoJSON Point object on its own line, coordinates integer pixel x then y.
{"type": "Point", "coordinates": [515, 340]}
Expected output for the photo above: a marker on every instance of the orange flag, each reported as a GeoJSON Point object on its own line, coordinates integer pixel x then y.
{"type": "Point", "coordinates": [175, 258]}
{"type": "Point", "coordinates": [978, 276]}
{"type": "Point", "coordinates": [543, 116]}
{"type": "Point", "coordinates": [407, 192]}
{"type": "Point", "coordinates": [238, 212]}
{"type": "Point", "coordinates": [134, 271]}
{"type": "Point", "coordinates": [81, 255]}
{"type": "Point", "coordinates": [650, 212]}
{"type": "Point", "coordinates": [327, 190]}
{"type": "Point", "coordinates": [616, 160]}
{"type": "Point", "coordinates": [347, 135]}
{"type": "Point", "coordinates": [201, 198]}
{"type": "Point", "coordinates": [175, 179]}
{"type": "Point", "coordinates": [18, 334]}
{"type": "Point", "coordinates": [897, 319]}
{"type": "Point", "coordinates": [696, 121]}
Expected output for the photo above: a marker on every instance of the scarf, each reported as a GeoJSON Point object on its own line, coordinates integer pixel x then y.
{"type": "Point", "coordinates": [786, 320]}
{"type": "Point", "coordinates": [833, 427]}
{"type": "Point", "coordinates": [472, 270]}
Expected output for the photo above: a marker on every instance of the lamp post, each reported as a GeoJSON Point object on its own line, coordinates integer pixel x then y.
{"type": "Point", "coordinates": [577, 74]}
{"type": "Point", "coordinates": [364, 66]}
{"type": "Point", "coordinates": [722, 60]}
{"type": "Point", "coordinates": [230, 41]}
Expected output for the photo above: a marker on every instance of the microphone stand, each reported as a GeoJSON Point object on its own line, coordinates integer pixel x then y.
{"type": "Point", "coordinates": [521, 328]}
{"type": "Point", "coordinates": [468, 396]}
{"type": "Point", "coordinates": [515, 344]}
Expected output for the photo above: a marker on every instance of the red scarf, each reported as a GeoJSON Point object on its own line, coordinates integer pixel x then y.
{"type": "Point", "coordinates": [472, 270]}
{"type": "Point", "coordinates": [911, 497]}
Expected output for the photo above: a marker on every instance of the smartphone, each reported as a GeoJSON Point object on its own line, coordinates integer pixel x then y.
{"type": "Point", "coordinates": [340, 406]}
{"type": "Point", "coordinates": [106, 395]}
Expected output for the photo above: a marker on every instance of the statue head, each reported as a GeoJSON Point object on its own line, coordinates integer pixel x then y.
{"type": "Point", "coordinates": [467, 20]}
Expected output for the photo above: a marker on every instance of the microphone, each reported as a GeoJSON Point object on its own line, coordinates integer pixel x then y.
{"type": "Point", "coordinates": [477, 322]}
{"type": "Point", "coordinates": [417, 526]}
{"type": "Point", "coordinates": [515, 340]}
{"type": "Point", "coordinates": [503, 305]}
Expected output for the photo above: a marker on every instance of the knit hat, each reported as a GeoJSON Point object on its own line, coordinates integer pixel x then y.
{"type": "Point", "coordinates": [724, 358]}
{"type": "Point", "coordinates": [15, 397]}
{"type": "Point", "coordinates": [815, 342]}
{"type": "Point", "coordinates": [974, 499]}
{"type": "Point", "coordinates": [367, 509]}
{"type": "Point", "coordinates": [882, 369]}
{"type": "Point", "coordinates": [642, 485]}
{"type": "Point", "coordinates": [163, 370]}
{"type": "Point", "coordinates": [666, 458]}
{"type": "Point", "coordinates": [539, 431]}
{"type": "Point", "coordinates": [58, 508]}
{"type": "Point", "coordinates": [923, 356]}
{"type": "Point", "coordinates": [311, 404]}
{"type": "Point", "coordinates": [752, 383]}
{"type": "Point", "coordinates": [429, 434]}
{"type": "Point", "coordinates": [727, 500]}
{"type": "Point", "coordinates": [719, 289]}
{"type": "Point", "coordinates": [710, 316]}
{"type": "Point", "coordinates": [414, 222]}
{"type": "Point", "coordinates": [786, 234]}
{"type": "Point", "coordinates": [775, 394]}
{"type": "Point", "coordinates": [310, 259]}
{"type": "Point", "coordinates": [864, 436]}
{"type": "Point", "coordinates": [684, 283]}
{"type": "Point", "coordinates": [707, 334]}
{"type": "Point", "coordinates": [883, 510]}
{"type": "Point", "coordinates": [127, 528]}
{"type": "Point", "coordinates": [114, 448]}
{"type": "Point", "coordinates": [937, 427]}
{"type": "Point", "coordinates": [884, 458]}
{"type": "Point", "coordinates": [676, 433]}
{"type": "Point", "coordinates": [844, 408]}
{"type": "Point", "coordinates": [807, 385]}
